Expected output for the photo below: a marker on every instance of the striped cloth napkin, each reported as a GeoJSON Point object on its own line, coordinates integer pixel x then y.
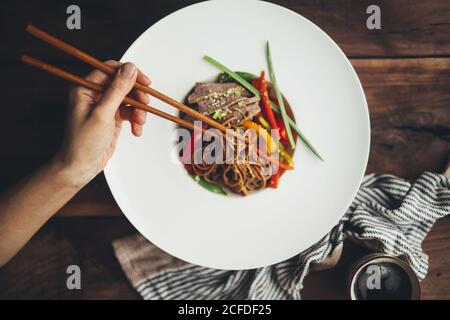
{"type": "Point", "coordinates": [388, 215]}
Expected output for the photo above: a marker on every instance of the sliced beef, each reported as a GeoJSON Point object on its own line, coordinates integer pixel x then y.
{"type": "Point", "coordinates": [229, 100]}
{"type": "Point", "coordinates": [205, 90]}
{"type": "Point", "coordinates": [239, 113]}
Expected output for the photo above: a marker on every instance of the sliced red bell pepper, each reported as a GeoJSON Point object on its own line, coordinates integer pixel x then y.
{"type": "Point", "coordinates": [187, 156]}
{"type": "Point", "coordinates": [282, 130]}
{"type": "Point", "coordinates": [273, 182]}
{"type": "Point", "coordinates": [255, 83]}
{"type": "Point", "coordinates": [275, 179]}
{"type": "Point", "coordinates": [265, 102]}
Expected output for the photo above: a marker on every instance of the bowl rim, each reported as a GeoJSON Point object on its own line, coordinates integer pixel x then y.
{"type": "Point", "coordinates": [379, 258]}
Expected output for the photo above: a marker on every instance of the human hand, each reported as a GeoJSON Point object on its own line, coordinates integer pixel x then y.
{"type": "Point", "coordinates": [95, 122]}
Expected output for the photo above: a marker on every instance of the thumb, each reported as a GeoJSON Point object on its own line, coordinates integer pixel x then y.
{"type": "Point", "coordinates": [120, 86]}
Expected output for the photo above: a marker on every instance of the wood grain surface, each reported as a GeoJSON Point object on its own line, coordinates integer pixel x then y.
{"type": "Point", "coordinates": [404, 69]}
{"type": "Point", "coordinates": [409, 27]}
{"type": "Point", "coordinates": [39, 270]}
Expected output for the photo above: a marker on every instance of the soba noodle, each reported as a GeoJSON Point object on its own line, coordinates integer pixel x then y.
{"type": "Point", "coordinates": [245, 174]}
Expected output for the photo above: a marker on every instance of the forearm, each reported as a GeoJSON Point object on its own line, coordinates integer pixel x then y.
{"type": "Point", "coordinates": [29, 204]}
{"type": "Point", "coordinates": [93, 130]}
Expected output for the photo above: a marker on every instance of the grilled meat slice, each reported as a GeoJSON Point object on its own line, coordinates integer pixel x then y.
{"type": "Point", "coordinates": [224, 102]}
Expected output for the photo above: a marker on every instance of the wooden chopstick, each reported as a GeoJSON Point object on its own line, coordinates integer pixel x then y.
{"type": "Point", "coordinates": [100, 88]}
{"type": "Point", "coordinates": [35, 31]}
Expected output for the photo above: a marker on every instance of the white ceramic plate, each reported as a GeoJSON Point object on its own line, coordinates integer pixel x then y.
{"type": "Point", "coordinates": [200, 227]}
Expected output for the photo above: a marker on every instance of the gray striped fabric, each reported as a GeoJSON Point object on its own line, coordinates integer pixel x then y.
{"type": "Point", "coordinates": [391, 211]}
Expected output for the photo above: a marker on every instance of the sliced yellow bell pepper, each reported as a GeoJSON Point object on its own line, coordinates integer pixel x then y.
{"type": "Point", "coordinates": [271, 144]}
{"type": "Point", "coordinates": [283, 153]}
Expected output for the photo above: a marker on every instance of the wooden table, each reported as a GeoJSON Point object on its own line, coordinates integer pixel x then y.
{"type": "Point", "coordinates": [404, 68]}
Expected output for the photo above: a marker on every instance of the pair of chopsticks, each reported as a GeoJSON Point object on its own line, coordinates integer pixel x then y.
{"type": "Point", "coordinates": [35, 31]}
